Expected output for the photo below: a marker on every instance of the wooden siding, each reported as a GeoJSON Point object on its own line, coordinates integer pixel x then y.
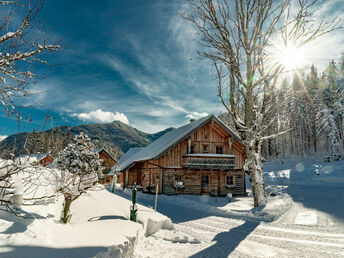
{"type": "Point", "coordinates": [47, 160]}
{"type": "Point", "coordinates": [211, 135]}
{"type": "Point", "coordinates": [164, 169]}
{"type": "Point", "coordinates": [108, 161]}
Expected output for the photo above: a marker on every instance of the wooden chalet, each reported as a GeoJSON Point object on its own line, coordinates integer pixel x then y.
{"type": "Point", "coordinates": [108, 163]}
{"type": "Point", "coordinates": [202, 157]}
{"type": "Point", "coordinates": [46, 160]}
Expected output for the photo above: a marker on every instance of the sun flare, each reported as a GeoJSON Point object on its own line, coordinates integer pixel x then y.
{"type": "Point", "coordinates": [290, 57]}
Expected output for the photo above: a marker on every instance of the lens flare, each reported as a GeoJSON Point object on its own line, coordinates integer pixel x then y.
{"type": "Point", "coordinates": [290, 57]}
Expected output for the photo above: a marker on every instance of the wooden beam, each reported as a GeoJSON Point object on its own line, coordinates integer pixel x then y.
{"type": "Point", "coordinates": [230, 145]}
{"type": "Point", "coordinates": [126, 178]}
{"type": "Point", "coordinates": [189, 145]}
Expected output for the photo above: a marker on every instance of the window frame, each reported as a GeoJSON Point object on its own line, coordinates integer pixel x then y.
{"type": "Point", "coordinates": [179, 182]}
{"type": "Point", "coordinates": [230, 185]}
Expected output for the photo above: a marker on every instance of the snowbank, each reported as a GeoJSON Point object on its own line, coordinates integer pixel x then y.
{"type": "Point", "coordinates": [151, 220]}
{"type": "Point", "coordinates": [274, 209]}
{"type": "Point", "coordinates": [99, 226]}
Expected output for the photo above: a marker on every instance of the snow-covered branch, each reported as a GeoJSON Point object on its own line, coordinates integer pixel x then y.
{"type": "Point", "coordinates": [275, 135]}
{"type": "Point", "coordinates": [20, 50]}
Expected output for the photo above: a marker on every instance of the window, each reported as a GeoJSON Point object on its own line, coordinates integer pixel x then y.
{"type": "Point", "coordinates": [179, 181]}
{"type": "Point", "coordinates": [205, 148]}
{"type": "Point", "coordinates": [192, 149]}
{"type": "Point", "coordinates": [205, 181]}
{"type": "Point", "coordinates": [219, 150]}
{"type": "Point", "coordinates": [230, 180]}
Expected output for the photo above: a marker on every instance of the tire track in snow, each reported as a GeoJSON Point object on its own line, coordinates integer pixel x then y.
{"type": "Point", "coordinates": [287, 237]}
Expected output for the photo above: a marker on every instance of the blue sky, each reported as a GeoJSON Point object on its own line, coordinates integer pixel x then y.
{"type": "Point", "coordinates": [132, 60]}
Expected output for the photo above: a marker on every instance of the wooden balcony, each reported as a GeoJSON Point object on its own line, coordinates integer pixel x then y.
{"type": "Point", "coordinates": [208, 161]}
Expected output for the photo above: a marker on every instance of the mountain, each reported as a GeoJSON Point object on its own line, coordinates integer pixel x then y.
{"type": "Point", "coordinates": [116, 136]}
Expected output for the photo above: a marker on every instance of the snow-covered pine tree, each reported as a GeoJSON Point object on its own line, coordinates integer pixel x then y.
{"type": "Point", "coordinates": [80, 168]}
{"type": "Point", "coordinates": [312, 85]}
{"type": "Point", "coordinates": [331, 108]}
{"type": "Point", "coordinates": [327, 125]}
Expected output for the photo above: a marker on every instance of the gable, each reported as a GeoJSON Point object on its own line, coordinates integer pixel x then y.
{"type": "Point", "coordinates": [211, 132]}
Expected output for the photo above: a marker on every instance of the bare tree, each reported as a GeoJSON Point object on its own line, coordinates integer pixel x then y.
{"type": "Point", "coordinates": [22, 45]}
{"type": "Point", "coordinates": [237, 36]}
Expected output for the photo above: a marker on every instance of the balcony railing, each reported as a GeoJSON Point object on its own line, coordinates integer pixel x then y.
{"type": "Point", "coordinates": [209, 161]}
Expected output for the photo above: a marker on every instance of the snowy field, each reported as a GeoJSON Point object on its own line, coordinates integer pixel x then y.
{"type": "Point", "coordinates": [303, 218]}
{"type": "Point", "coordinates": [99, 227]}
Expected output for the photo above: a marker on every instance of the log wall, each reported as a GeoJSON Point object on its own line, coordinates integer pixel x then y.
{"type": "Point", "coordinates": [164, 169]}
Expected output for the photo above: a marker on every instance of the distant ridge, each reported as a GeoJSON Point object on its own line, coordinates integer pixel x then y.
{"type": "Point", "coordinates": [116, 135]}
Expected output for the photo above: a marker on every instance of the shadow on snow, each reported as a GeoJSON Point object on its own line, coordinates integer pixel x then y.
{"type": "Point", "coordinates": [316, 185]}
{"type": "Point", "coordinates": [176, 213]}
{"type": "Point", "coordinates": [226, 242]}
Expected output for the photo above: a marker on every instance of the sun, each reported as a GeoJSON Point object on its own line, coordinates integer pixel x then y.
{"type": "Point", "coordinates": [290, 57]}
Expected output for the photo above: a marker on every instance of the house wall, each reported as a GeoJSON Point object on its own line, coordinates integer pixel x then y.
{"type": "Point", "coordinates": [211, 135]}
{"type": "Point", "coordinates": [192, 182]}
{"type": "Point", "coordinates": [163, 170]}
{"type": "Point", "coordinates": [108, 161]}
{"type": "Point", "coordinates": [46, 161]}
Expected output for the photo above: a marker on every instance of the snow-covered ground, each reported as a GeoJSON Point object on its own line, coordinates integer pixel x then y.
{"type": "Point", "coordinates": [99, 227]}
{"type": "Point", "coordinates": [304, 218]}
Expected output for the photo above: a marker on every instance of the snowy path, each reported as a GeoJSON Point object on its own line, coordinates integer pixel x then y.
{"type": "Point", "coordinates": [312, 227]}
{"type": "Point", "coordinates": [221, 237]}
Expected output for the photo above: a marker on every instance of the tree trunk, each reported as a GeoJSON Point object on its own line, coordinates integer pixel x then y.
{"type": "Point", "coordinates": [66, 207]}
{"type": "Point", "coordinates": [256, 174]}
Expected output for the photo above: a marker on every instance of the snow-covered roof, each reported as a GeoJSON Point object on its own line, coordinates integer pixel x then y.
{"type": "Point", "coordinates": [128, 154]}
{"type": "Point", "coordinates": [98, 150]}
{"type": "Point", "coordinates": [167, 141]}
{"type": "Point", "coordinates": [37, 156]}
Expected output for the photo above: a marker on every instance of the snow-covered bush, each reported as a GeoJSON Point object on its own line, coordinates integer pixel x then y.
{"type": "Point", "coordinates": [79, 170]}
{"type": "Point", "coordinates": [22, 182]}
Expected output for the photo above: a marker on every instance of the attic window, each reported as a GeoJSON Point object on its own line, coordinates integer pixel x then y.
{"type": "Point", "coordinates": [192, 149]}
{"type": "Point", "coordinates": [219, 150]}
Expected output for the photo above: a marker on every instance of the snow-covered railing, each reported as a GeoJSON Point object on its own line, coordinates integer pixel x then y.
{"type": "Point", "coordinates": [209, 161]}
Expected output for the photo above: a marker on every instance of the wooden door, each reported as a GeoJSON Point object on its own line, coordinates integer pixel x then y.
{"type": "Point", "coordinates": [138, 177]}
{"type": "Point", "coordinates": [204, 183]}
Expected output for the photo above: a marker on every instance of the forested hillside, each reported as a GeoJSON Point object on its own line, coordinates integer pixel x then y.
{"type": "Point", "coordinates": [115, 137]}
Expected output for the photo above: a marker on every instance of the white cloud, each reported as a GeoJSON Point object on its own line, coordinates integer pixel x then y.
{"type": "Point", "coordinates": [102, 116]}
{"type": "Point", "coordinates": [3, 137]}
{"type": "Point", "coordinates": [196, 115]}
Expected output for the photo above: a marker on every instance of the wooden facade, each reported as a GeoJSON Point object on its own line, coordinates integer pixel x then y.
{"type": "Point", "coordinates": [47, 160]}
{"type": "Point", "coordinates": [207, 161]}
{"type": "Point", "coordinates": [108, 163]}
